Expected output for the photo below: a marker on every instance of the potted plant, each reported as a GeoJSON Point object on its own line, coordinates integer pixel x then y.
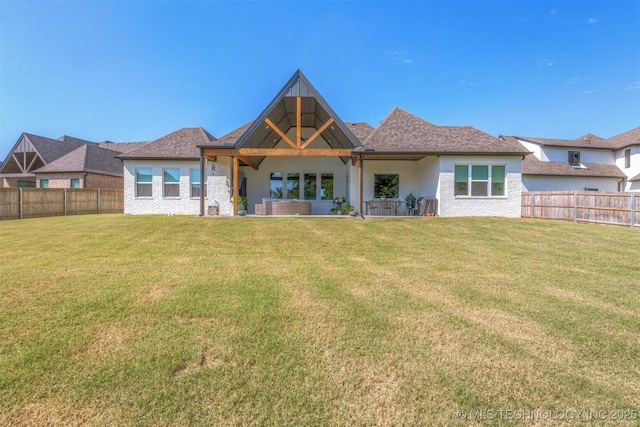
{"type": "Point", "coordinates": [242, 205]}
{"type": "Point", "coordinates": [347, 209]}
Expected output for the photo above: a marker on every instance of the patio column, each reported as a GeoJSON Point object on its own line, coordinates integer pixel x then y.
{"type": "Point", "coordinates": [234, 160]}
{"type": "Point", "coordinates": [360, 178]}
{"type": "Point", "coordinates": [202, 186]}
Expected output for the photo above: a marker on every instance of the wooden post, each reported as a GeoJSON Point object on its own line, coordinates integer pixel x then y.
{"type": "Point", "coordinates": [98, 201]}
{"type": "Point", "coordinates": [235, 185]}
{"type": "Point", "coordinates": [201, 183]}
{"type": "Point", "coordinates": [633, 210]}
{"type": "Point", "coordinates": [298, 121]}
{"type": "Point", "coordinates": [360, 178]}
{"type": "Point", "coordinates": [575, 206]}
{"type": "Point", "coordinates": [64, 200]}
{"type": "Point", "coordinates": [20, 213]}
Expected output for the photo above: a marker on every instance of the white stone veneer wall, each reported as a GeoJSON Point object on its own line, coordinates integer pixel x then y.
{"type": "Point", "coordinates": [507, 206]}
{"type": "Point", "coordinates": [157, 204]}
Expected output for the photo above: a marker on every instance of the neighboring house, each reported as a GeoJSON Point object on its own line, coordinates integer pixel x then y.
{"type": "Point", "coordinates": [588, 163]}
{"type": "Point", "coordinates": [299, 150]}
{"type": "Point", "coordinates": [163, 176]}
{"type": "Point", "coordinates": [88, 166]}
{"type": "Point", "coordinates": [66, 162]}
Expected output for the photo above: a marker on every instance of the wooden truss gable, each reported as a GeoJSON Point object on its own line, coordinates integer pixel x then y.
{"type": "Point", "coordinates": [297, 117]}
{"type": "Point", "coordinates": [23, 159]}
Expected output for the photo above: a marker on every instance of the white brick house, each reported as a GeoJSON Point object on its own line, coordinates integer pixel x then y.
{"type": "Point", "coordinates": [299, 154]}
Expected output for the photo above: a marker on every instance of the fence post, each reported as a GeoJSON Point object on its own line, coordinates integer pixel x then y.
{"type": "Point", "coordinates": [575, 206]}
{"type": "Point", "coordinates": [98, 201]}
{"type": "Point", "coordinates": [633, 210]}
{"type": "Point", "coordinates": [20, 213]}
{"type": "Point", "coordinates": [533, 207]}
{"type": "Point", "coordinates": [64, 200]}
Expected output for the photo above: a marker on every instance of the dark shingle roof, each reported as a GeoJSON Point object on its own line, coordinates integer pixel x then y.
{"type": "Point", "coordinates": [87, 158]}
{"type": "Point", "coordinates": [181, 144]}
{"type": "Point", "coordinates": [51, 149]}
{"type": "Point", "coordinates": [531, 165]}
{"type": "Point", "coordinates": [626, 139]}
{"type": "Point", "coordinates": [122, 147]}
{"type": "Point", "coordinates": [402, 131]}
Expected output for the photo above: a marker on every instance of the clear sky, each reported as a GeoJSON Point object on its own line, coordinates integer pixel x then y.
{"type": "Point", "coordinates": [137, 70]}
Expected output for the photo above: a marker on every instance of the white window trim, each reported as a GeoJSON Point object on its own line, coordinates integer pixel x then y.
{"type": "Point", "coordinates": [135, 183]}
{"type": "Point", "coordinates": [164, 196]}
{"type": "Point", "coordinates": [489, 182]}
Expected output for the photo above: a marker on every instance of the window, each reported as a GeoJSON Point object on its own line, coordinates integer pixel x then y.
{"type": "Point", "coordinates": [480, 180]}
{"type": "Point", "coordinates": [627, 158]}
{"type": "Point", "coordinates": [30, 184]}
{"type": "Point", "coordinates": [171, 179]}
{"type": "Point", "coordinates": [144, 182]}
{"type": "Point", "coordinates": [386, 186]}
{"type": "Point", "coordinates": [75, 183]}
{"type": "Point", "coordinates": [326, 186]}
{"type": "Point", "coordinates": [276, 185]}
{"type": "Point", "coordinates": [462, 180]}
{"type": "Point", "coordinates": [196, 187]}
{"type": "Point", "coordinates": [497, 180]}
{"type": "Point", "coordinates": [44, 183]}
{"type": "Point", "coordinates": [310, 185]}
{"type": "Point", "coordinates": [293, 185]}
{"type": "Point", "coordinates": [574, 158]}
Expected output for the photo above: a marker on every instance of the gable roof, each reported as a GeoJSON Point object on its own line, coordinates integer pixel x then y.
{"type": "Point", "coordinates": [402, 132]}
{"type": "Point", "coordinates": [179, 145]}
{"type": "Point", "coordinates": [635, 178]}
{"type": "Point", "coordinates": [531, 165]}
{"type": "Point", "coordinates": [282, 112]}
{"type": "Point", "coordinates": [87, 158]}
{"type": "Point", "coordinates": [626, 139]}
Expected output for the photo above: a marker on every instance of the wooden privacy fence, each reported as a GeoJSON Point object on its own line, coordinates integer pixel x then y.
{"type": "Point", "coordinates": [583, 206]}
{"type": "Point", "coordinates": [18, 203]}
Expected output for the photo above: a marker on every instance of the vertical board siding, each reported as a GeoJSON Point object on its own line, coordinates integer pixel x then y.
{"type": "Point", "coordinates": [37, 202]}
{"type": "Point", "coordinates": [582, 206]}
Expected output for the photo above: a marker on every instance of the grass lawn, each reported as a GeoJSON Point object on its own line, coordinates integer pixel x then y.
{"type": "Point", "coordinates": [157, 320]}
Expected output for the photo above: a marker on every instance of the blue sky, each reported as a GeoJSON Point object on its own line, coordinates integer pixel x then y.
{"type": "Point", "coordinates": [131, 71]}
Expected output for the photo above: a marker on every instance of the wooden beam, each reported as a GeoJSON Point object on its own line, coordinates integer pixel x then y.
{"type": "Point", "coordinates": [278, 152]}
{"type": "Point", "coordinates": [277, 130]}
{"type": "Point", "coordinates": [234, 160]}
{"type": "Point", "coordinates": [248, 162]}
{"type": "Point", "coordinates": [355, 159]}
{"type": "Point", "coordinates": [298, 121]}
{"type": "Point", "coordinates": [317, 133]}
{"type": "Point", "coordinates": [315, 152]}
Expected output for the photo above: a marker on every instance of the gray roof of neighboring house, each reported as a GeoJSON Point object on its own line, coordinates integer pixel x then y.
{"type": "Point", "coordinates": [51, 149]}
{"type": "Point", "coordinates": [402, 131]}
{"type": "Point", "coordinates": [531, 165]}
{"type": "Point", "coordinates": [626, 139]}
{"type": "Point", "coordinates": [585, 141]}
{"type": "Point", "coordinates": [635, 178]}
{"type": "Point", "coordinates": [87, 158]}
{"type": "Point", "coordinates": [181, 144]}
